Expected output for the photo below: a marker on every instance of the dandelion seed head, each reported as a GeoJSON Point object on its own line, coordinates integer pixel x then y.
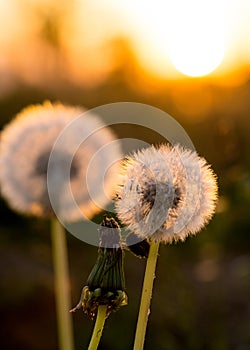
{"type": "Point", "coordinates": [26, 146]}
{"type": "Point", "coordinates": [166, 193]}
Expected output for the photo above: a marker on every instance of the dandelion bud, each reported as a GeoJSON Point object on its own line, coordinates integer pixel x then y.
{"type": "Point", "coordinates": [105, 284]}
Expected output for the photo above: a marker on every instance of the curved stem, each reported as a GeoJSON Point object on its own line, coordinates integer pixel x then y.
{"type": "Point", "coordinates": [99, 324]}
{"type": "Point", "coordinates": [62, 296]}
{"type": "Point", "coordinates": [146, 296]}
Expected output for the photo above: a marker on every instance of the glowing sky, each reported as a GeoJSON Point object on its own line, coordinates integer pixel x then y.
{"type": "Point", "coordinates": [167, 36]}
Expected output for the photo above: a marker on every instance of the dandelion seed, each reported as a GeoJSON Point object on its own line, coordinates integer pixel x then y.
{"type": "Point", "coordinates": [25, 150]}
{"type": "Point", "coordinates": [166, 193]}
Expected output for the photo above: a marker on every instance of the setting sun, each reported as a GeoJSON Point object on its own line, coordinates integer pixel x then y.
{"type": "Point", "coordinates": [196, 45]}
{"type": "Point", "coordinates": [189, 35]}
{"type": "Point", "coordinates": [167, 39]}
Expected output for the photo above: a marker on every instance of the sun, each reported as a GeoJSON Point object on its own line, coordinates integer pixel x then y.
{"type": "Point", "coordinates": [188, 35]}
{"type": "Point", "coordinates": [196, 45]}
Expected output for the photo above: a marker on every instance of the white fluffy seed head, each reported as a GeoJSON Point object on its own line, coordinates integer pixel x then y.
{"type": "Point", "coordinates": [166, 193]}
{"type": "Point", "coordinates": [25, 152]}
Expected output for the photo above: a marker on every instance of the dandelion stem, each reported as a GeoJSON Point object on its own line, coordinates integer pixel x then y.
{"type": "Point", "coordinates": [99, 324]}
{"type": "Point", "coordinates": [146, 296]}
{"type": "Point", "coordinates": [60, 259]}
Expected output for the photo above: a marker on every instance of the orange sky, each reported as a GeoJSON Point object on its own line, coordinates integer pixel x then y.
{"type": "Point", "coordinates": [147, 24]}
{"type": "Point", "coordinates": [87, 25]}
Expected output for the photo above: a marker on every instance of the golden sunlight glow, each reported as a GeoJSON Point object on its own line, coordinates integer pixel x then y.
{"type": "Point", "coordinates": [196, 45]}
{"type": "Point", "coordinates": [167, 38]}
{"type": "Point", "coordinates": [188, 34]}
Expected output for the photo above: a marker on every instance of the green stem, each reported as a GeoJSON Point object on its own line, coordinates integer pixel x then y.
{"type": "Point", "coordinates": [99, 324]}
{"type": "Point", "coordinates": [146, 296]}
{"type": "Point", "coordinates": [62, 295]}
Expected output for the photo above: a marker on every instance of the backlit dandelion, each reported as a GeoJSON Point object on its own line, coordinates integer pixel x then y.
{"type": "Point", "coordinates": [166, 193]}
{"type": "Point", "coordinates": [26, 145]}
{"type": "Point", "coordinates": [42, 176]}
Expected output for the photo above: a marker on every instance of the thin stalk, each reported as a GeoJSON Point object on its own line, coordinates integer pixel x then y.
{"type": "Point", "coordinates": [62, 295]}
{"type": "Point", "coordinates": [99, 324]}
{"type": "Point", "coordinates": [146, 296]}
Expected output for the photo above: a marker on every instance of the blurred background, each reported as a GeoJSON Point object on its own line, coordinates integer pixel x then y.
{"type": "Point", "coordinates": [192, 60]}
